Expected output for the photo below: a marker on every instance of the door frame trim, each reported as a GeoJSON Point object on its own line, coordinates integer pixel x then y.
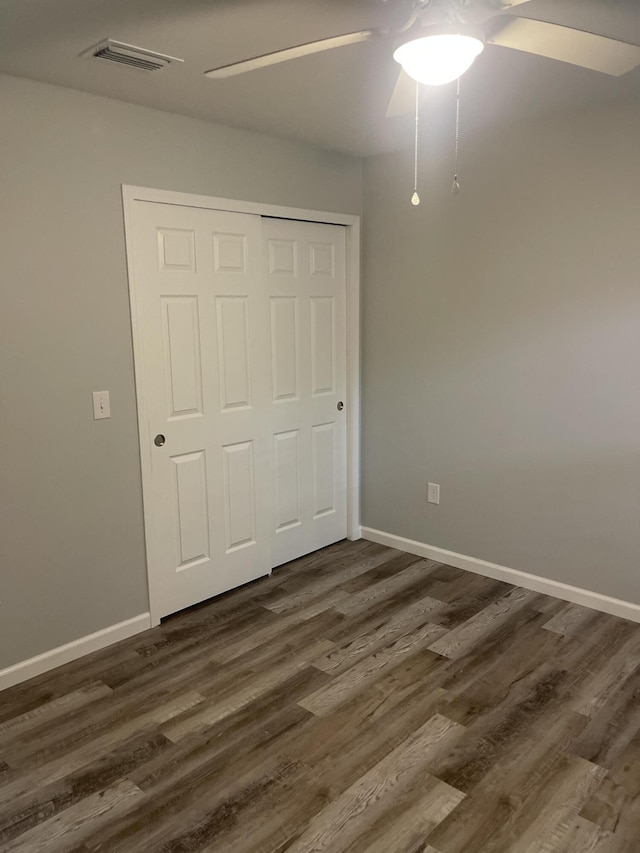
{"type": "Point", "coordinates": [132, 194]}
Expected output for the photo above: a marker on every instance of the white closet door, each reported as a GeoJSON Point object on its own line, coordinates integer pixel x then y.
{"type": "Point", "coordinates": [200, 305]}
{"type": "Point", "coordinates": [241, 363]}
{"type": "Point", "coordinates": [305, 279]}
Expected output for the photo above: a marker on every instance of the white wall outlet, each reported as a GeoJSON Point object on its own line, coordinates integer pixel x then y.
{"type": "Point", "coordinates": [433, 493]}
{"type": "Point", "coordinates": [101, 405]}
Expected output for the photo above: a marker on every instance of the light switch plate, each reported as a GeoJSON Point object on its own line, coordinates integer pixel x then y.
{"type": "Point", "coordinates": [101, 405]}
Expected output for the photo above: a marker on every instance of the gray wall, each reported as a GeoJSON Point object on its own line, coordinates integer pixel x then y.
{"type": "Point", "coordinates": [71, 537]}
{"type": "Point", "coordinates": [502, 348]}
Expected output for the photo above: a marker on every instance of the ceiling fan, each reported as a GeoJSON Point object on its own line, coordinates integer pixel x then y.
{"type": "Point", "coordinates": [441, 38]}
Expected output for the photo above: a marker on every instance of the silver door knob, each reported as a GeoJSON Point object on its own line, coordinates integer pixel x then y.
{"type": "Point", "coordinates": [340, 406]}
{"type": "Point", "coordinates": [159, 440]}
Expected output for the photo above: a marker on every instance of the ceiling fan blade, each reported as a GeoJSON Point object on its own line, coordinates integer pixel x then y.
{"type": "Point", "coordinates": [403, 99]}
{"type": "Point", "coordinates": [577, 47]}
{"type": "Point", "coordinates": [289, 53]}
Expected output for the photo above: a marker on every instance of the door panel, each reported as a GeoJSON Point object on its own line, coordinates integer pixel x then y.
{"type": "Point", "coordinates": [233, 352]}
{"type": "Point", "coordinates": [322, 345]}
{"type": "Point", "coordinates": [284, 348]}
{"type": "Point", "coordinates": [287, 473]}
{"type": "Point", "coordinates": [239, 495]}
{"type": "Point", "coordinates": [204, 316]}
{"type": "Point", "coordinates": [324, 463]}
{"type": "Point", "coordinates": [176, 249]}
{"type": "Point", "coordinates": [305, 277]}
{"type": "Point", "coordinates": [190, 509]}
{"type": "Point", "coordinates": [181, 342]}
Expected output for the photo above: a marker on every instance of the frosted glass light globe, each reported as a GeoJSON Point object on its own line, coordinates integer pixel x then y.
{"type": "Point", "coordinates": [438, 59]}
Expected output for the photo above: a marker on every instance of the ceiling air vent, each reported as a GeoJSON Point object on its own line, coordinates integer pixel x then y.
{"type": "Point", "coordinates": [129, 54]}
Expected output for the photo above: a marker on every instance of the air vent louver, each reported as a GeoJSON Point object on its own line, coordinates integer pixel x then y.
{"type": "Point", "coordinates": [129, 54]}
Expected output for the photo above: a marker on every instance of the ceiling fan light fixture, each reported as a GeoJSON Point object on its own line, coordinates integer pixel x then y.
{"type": "Point", "coordinates": [439, 57]}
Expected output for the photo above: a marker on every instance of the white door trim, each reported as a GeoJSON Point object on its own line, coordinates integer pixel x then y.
{"type": "Point", "coordinates": [131, 194]}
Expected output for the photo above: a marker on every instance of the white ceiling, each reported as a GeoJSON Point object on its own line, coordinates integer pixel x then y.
{"type": "Point", "coordinates": [336, 99]}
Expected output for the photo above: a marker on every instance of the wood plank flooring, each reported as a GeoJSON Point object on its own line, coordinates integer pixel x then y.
{"type": "Point", "coordinates": [359, 700]}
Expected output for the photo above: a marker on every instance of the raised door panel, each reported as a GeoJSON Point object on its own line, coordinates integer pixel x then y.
{"type": "Point", "coordinates": [323, 450]}
{"type": "Point", "coordinates": [230, 253]}
{"type": "Point", "coordinates": [176, 249]}
{"type": "Point", "coordinates": [234, 356]}
{"type": "Point", "coordinates": [322, 345]}
{"type": "Point", "coordinates": [239, 495]}
{"type": "Point", "coordinates": [284, 348]}
{"type": "Point", "coordinates": [182, 359]}
{"type": "Point", "coordinates": [322, 260]}
{"type": "Point", "coordinates": [287, 474]}
{"type": "Point", "coordinates": [283, 257]}
{"type": "Point", "coordinates": [191, 514]}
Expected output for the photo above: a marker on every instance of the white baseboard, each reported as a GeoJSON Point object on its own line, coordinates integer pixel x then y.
{"type": "Point", "coordinates": [71, 651]}
{"type": "Point", "coordinates": [575, 594]}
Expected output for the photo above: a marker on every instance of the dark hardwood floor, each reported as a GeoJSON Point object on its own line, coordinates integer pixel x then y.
{"type": "Point", "coordinates": [358, 700]}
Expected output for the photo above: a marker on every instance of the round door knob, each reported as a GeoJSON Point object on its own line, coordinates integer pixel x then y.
{"type": "Point", "coordinates": [340, 406]}
{"type": "Point", "coordinates": [159, 440]}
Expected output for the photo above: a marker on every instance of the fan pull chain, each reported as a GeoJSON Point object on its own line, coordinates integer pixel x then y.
{"type": "Point", "coordinates": [455, 187]}
{"type": "Point", "coordinates": [415, 198]}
